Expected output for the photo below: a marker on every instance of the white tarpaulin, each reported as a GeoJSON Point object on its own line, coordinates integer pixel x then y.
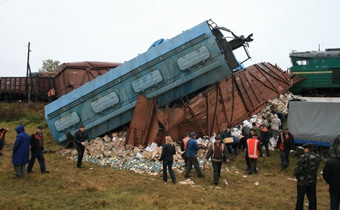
{"type": "Point", "coordinates": [316, 121]}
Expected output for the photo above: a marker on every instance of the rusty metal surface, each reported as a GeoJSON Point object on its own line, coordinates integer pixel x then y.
{"type": "Point", "coordinates": [228, 102]}
{"type": "Point", "coordinates": [18, 88]}
{"type": "Point", "coordinates": [143, 126]}
{"type": "Point", "coordinates": [73, 75]}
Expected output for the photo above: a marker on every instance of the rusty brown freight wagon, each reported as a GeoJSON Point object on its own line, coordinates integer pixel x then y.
{"type": "Point", "coordinates": [70, 76]}
{"type": "Point", "coordinates": [25, 88]}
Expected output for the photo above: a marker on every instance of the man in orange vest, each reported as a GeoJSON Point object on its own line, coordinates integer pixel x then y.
{"type": "Point", "coordinates": [37, 148]}
{"type": "Point", "coordinates": [252, 152]}
{"type": "Point", "coordinates": [216, 151]}
{"type": "Point", "coordinates": [51, 95]}
{"type": "Point", "coordinates": [184, 146]}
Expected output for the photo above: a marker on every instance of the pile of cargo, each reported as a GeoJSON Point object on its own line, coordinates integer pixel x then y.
{"type": "Point", "coordinates": [114, 152]}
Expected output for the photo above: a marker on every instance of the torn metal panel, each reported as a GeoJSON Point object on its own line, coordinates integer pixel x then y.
{"type": "Point", "coordinates": [141, 122]}
{"type": "Point", "coordinates": [230, 101]}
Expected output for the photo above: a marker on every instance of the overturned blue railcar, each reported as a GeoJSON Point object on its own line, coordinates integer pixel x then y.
{"type": "Point", "coordinates": [192, 60]}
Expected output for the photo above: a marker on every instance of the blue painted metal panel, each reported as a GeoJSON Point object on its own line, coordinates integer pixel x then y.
{"type": "Point", "coordinates": [316, 143]}
{"type": "Point", "coordinates": [108, 101]}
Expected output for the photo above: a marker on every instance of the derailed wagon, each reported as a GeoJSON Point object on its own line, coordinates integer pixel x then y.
{"type": "Point", "coordinates": [196, 58]}
{"type": "Point", "coordinates": [230, 101]}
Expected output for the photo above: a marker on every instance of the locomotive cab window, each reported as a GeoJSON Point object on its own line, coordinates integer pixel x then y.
{"type": "Point", "coordinates": [301, 62]}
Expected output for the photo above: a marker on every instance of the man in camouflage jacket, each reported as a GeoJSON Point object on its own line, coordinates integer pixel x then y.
{"type": "Point", "coordinates": [306, 174]}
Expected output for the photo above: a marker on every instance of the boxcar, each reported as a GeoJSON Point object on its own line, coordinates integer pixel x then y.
{"type": "Point", "coordinates": [194, 59]}
{"type": "Point", "coordinates": [70, 76]}
{"type": "Point", "coordinates": [33, 88]}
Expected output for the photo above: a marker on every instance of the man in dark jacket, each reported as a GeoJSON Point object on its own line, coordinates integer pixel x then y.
{"type": "Point", "coordinates": [264, 139]}
{"type": "Point", "coordinates": [226, 133]}
{"type": "Point", "coordinates": [37, 149]}
{"type": "Point", "coordinates": [285, 144]}
{"type": "Point", "coordinates": [80, 137]}
{"type": "Point", "coordinates": [21, 151]}
{"type": "Point", "coordinates": [331, 174]}
{"type": "Point", "coordinates": [217, 151]}
{"type": "Point", "coordinates": [306, 174]}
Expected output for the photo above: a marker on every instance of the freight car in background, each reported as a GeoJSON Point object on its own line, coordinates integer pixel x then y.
{"type": "Point", "coordinates": [33, 88]}
{"type": "Point", "coordinates": [321, 70]}
{"type": "Point", "coordinates": [67, 77]}
{"type": "Point", "coordinates": [194, 59]}
{"type": "Point", "coordinates": [70, 76]}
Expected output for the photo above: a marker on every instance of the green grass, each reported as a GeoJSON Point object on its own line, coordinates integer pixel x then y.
{"type": "Point", "coordinates": [95, 187]}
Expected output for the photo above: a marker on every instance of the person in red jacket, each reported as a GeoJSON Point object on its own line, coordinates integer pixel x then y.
{"type": "Point", "coordinates": [2, 138]}
{"type": "Point", "coordinates": [252, 152]}
{"type": "Point", "coordinates": [286, 145]}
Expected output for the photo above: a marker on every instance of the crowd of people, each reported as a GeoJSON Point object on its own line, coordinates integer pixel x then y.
{"type": "Point", "coordinates": [253, 140]}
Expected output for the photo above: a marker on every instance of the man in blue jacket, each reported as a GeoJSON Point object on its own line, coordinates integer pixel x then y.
{"type": "Point", "coordinates": [20, 151]}
{"type": "Point", "coordinates": [191, 151]}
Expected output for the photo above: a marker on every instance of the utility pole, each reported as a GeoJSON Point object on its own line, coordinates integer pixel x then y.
{"type": "Point", "coordinates": [28, 75]}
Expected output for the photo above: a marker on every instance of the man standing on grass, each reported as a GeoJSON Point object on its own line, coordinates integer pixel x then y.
{"type": "Point", "coordinates": [192, 148]}
{"type": "Point", "coordinates": [80, 137]}
{"type": "Point", "coordinates": [306, 174]}
{"type": "Point", "coordinates": [331, 174]}
{"type": "Point", "coordinates": [21, 151]}
{"type": "Point", "coordinates": [217, 151]}
{"type": "Point", "coordinates": [285, 144]}
{"type": "Point", "coordinates": [252, 152]}
{"type": "Point", "coordinates": [37, 149]}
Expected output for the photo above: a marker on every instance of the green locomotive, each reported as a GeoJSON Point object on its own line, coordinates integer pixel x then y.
{"type": "Point", "coordinates": [321, 70]}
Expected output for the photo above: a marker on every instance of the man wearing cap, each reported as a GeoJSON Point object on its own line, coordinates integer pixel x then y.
{"type": "Point", "coordinates": [306, 174]}
{"type": "Point", "coordinates": [217, 151]}
{"type": "Point", "coordinates": [334, 146]}
{"type": "Point", "coordinates": [331, 174]}
{"type": "Point", "coordinates": [191, 151]}
{"type": "Point", "coordinates": [226, 133]}
{"type": "Point", "coordinates": [37, 148]}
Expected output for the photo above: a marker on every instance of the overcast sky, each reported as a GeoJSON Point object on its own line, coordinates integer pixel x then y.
{"type": "Point", "coordinates": [117, 31]}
